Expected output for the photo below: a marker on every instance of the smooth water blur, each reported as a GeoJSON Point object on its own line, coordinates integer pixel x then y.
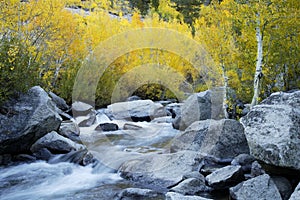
{"type": "Point", "coordinates": [41, 180]}
{"type": "Point", "coordinates": [63, 180]}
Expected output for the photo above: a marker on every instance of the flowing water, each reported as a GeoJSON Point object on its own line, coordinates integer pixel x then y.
{"type": "Point", "coordinates": [41, 180]}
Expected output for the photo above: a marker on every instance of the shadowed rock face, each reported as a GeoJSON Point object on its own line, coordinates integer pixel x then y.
{"type": "Point", "coordinates": [272, 130]}
{"type": "Point", "coordinates": [218, 138]}
{"type": "Point", "coordinates": [200, 106]}
{"type": "Point", "coordinates": [29, 118]}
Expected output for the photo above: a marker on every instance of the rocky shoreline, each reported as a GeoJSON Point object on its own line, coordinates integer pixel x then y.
{"type": "Point", "coordinates": [256, 158]}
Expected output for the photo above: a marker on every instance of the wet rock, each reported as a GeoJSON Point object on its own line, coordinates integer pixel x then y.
{"type": "Point", "coordinates": [60, 102]}
{"type": "Point", "coordinates": [160, 170]}
{"type": "Point", "coordinates": [5, 159]}
{"type": "Point", "coordinates": [28, 118]}
{"type": "Point", "coordinates": [141, 110]}
{"type": "Point", "coordinates": [272, 130]}
{"type": "Point", "coordinates": [200, 106]}
{"type": "Point", "coordinates": [43, 154]}
{"type": "Point", "coordinates": [177, 196]}
{"type": "Point", "coordinates": [296, 194]}
{"type": "Point", "coordinates": [107, 127]}
{"type": "Point", "coordinates": [260, 187]}
{"type": "Point", "coordinates": [256, 169]}
{"type": "Point", "coordinates": [137, 194]}
{"type": "Point", "coordinates": [89, 121]}
{"type": "Point", "coordinates": [244, 160]}
{"type": "Point", "coordinates": [70, 130]}
{"type": "Point", "coordinates": [82, 157]}
{"type": "Point", "coordinates": [222, 139]}
{"type": "Point", "coordinates": [24, 158]}
{"type": "Point", "coordinates": [284, 186]}
{"type": "Point", "coordinates": [55, 143]}
{"type": "Point", "coordinates": [225, 177]}
{"type": "Point", "coordinates": [191, 186]}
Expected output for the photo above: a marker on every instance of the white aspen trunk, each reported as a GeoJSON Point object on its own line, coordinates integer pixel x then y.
{"type": "Point", "coordinates": [225, 91]}
{"type": "Point", "coordinates": [259, 62]}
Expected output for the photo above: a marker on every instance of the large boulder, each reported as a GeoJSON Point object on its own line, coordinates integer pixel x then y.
{"type": "Point", "coordinates": [160, 170]}
{"type": "Point", "coordinates": [27, 119]}
{"type": "Point", "coordinates": [55, 143]}
{"type": "Point", "coordinates": [200, 106]}
{"type": "Point", "coordinates": [272, 130]}
{"type": "Point", "coordinates": [261, 187]}
{"type": "Point", "coordinates": [140, 110]}
{"type": "Point", "coordinates": [219, 138]}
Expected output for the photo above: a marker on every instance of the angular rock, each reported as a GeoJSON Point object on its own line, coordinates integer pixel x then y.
{"type": "Point", "coordinates": [201, 106]}
{"type": "Point", "coordinates": [296, 194]}
{"type": "Point", "coordinates": [55, 143]}
{"type": "Point", "coordinates": [256, 169]}
{"type": "Point", "coordinates": [284, 186]}
{"type": "Point", "coordinates": [60, 102]}
{"type": "Point", "coordinates": [272, 130]}
{"type": "Point", "coordinates": [43, 154]}
{"type": "Point", "coordinates": [29, 118]}
{"type": "Point", "coordinates": [70, 130]}
{"type": "Point", "coordinates": [107, 127]}
{"type": "Point", "coordinates": [225, 177]}
{"type": "Point", "coordinates": [89, 121]}
{"type": "Point", "coordinates": [177, 196]}
{"type": "Point", "coordinates": [81, 156]}
{"type": "Point", "coordinates": [222, 139]}
{"type": "Point", "coordinates": [261, 187]}
{"type": "Point", "coordinates": [191, 186]}
{"type": "Point", "coordinates": [137, 194]}
{"type": "Point", "coordinates": [160, 170]}
{"type": "Point", "coordinates": [244, 160]}
{"type": "Point", "coordinates": [140, 110]}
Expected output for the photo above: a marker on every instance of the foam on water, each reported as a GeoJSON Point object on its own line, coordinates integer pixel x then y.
{"type": "Point", "coordinates": [41, 180]}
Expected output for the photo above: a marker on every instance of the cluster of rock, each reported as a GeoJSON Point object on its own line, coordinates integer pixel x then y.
{"type": "Point", "coordinates": [32, 128]}
{"type": "Point", "coordinates": [256, 158]}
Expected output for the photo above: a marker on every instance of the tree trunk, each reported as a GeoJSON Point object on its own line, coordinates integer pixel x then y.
{"type": "Point", "coordinates": [259, 62]}
{"type": "Point", "coordinates": [225, 92]}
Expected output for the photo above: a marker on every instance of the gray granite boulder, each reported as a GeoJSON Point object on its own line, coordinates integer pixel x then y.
{"type": "Point", "coordinates": [219, 138]}
{"type": "Point", "coordinates": [260, 187]}
{"type": "Point", "coordinates": [27, 119]}
{"type": "Point", "coordinates": [272, 130]}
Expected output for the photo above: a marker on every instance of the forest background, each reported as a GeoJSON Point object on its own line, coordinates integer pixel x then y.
{"type": "Point", "coordinates": [254, 44]}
